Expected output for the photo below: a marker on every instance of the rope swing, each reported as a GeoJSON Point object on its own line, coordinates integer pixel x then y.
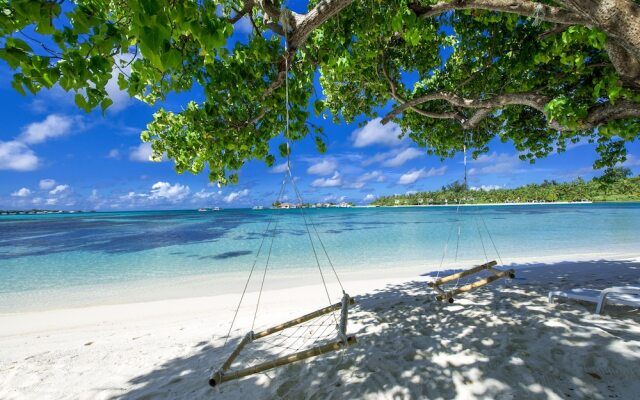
{"type": "Point", "coordinates": [444, 287]}
{"type": "Point", "coordinates": [310, 335]}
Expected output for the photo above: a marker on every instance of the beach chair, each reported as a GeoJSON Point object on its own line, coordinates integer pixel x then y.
{"type": "Point", "coordinates": [620, 295]}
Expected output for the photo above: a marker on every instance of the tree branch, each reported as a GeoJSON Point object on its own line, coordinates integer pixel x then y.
{"type": "Point", "coordinates": [559, 28]}
{"type": "Point", "coordinates": [521, 7]}
{"type": "Point", "coordinates": [403, 102]}
{"type": "Point", "coordinates": [246, 9]}
{"type": "Point", "coordinates": [596, 116]}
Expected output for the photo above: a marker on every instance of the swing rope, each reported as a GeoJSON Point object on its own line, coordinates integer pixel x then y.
{"type": "Point", "coordinates": [271, 231]}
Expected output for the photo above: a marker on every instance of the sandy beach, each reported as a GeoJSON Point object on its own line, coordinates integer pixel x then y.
{"type": "Point", "coordinates": [503, 341]}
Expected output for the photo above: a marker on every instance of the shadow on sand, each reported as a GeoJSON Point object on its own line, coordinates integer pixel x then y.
{"type": "Point", "coordinates": [501, 342]}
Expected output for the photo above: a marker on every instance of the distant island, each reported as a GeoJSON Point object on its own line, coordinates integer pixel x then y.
{"type": "Point", "coordinates": [616, 184]}
{"type": "Point", "coordinates": [40, 212]}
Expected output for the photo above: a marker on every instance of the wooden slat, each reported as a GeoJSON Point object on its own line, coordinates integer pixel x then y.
{"type": "Point", "coordinates": [246, 339]}
{"type": "Point", "coordinates": [217, 379]}
{"type": "Point", "coordinates": [462, 274]}
{"type": "Point", "coordinates": [302, 319]}
{"type": "Point", "coordinates": [476, 284]}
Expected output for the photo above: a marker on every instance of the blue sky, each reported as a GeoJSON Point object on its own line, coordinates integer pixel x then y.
{"type": "Point", "coordinates": [55, 156]}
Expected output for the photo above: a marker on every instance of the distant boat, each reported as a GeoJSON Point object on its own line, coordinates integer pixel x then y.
{"type": "Point", "coordinates": [202, 209]}
{"type": "Point", "coordinates": [257, 208]}
{"type": "Point", "coordinates": [216, 208]}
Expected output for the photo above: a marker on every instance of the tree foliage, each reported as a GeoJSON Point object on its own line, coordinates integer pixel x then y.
{"type": "Point", "coordinates": [458, 73]}
{"type": "Point", "coordinates": [622, 189]}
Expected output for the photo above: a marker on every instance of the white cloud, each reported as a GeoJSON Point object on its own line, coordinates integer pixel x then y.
{"type": "Point", "coordinates": [166, 191]}
{"type": "Point", "coordinates": [334, 181]}
{"type": "Point", "coordinates": [53, 126]}
{"type": "Point", "coordinates": [413, 175]}
{"type": "Point", "coordinates": [324, 167]}
{"type": "Point", "coordinates": [114, 153]}
{"type": "Point", "coordinates": [373, 175]}
{"type": "Point", "coordinates": [278, 169]}
{"type": "Point", "coordinates": [366, 177]}
{"type": "Point", "coordinates": [233, 196]}
{"type": "Point", "coordinates": [495, 163]}
{"type": "Point", "coordinates": [132, 196]}
{"type": "Point", "coordinates": [143, 152]}
{"type": "Point", "coordinates": [24, 192]}
{"type": "Point", "coordinates": [18, 157]}
{"type": "Point", "coordinates": [369, 197]}
{"type": "Point", "coordinates": [52, 202]}
{"type": "Point", "coordinates": [46, 184]}
{"type": "Point", "coordinates": [374, 133]}
{"type": "Point", "coordinates": [37, 200]}
{"type": "Point", "coordinates": [120, 98]}
{"type": "Point", "coordinates": [94, 198]}
{"type": "Point", "coordinates": [631, 161]}
{"type": "Point", "coordinates": [59, 189]}
{"type": "Point", "coordinates": [402, 157]}
{"type": "Point", "coordinates": [203, 194]}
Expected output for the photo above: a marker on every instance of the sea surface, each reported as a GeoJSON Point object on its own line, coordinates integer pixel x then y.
{"type": "Point", "coordinates": [57, 253]}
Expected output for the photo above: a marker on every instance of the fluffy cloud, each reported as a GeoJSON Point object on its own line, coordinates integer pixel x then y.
{"type": "Point", "coordinates": [166, 191]}
{"type": "Point", "coordinates": [369, 197]}
{"type": "Point", "coordinates": [46, 184]}
{"type": "Point", "coordinates": [233, 196]}
{"type": "Point", "coordinates": [324, 167]}
{"type": "Point", "coordinates": [24, 192]}
{"type": "Point", "coordinates": [374, 133]}
{"type": "Point", "coordinates": [494, 163]}
{"type": "Point", "coordinates": [415, 174]}
{"type": "Point", "coordinates": [53, 126]}
{"type": "Point", "coordinates": [278, 169]}
{"type": "Point", "coordinates": [334, 181]}
{"type": "Point", "coordinates": [402, 157]}
{"type": "Point", "coordinates": [632, 161]}
{"type": "Point", "coordinates": [366, 177]}
{"type": "Point", "coordinates": [18, 157]}
{"type": "Point", "coordinates": [120, 98]}
{"type": "Point", "coordinates": [203, 194]}
{"type": "Point", "coordinates": [143, 152]}
{"type": "Point", "coordinates": [59, 190]}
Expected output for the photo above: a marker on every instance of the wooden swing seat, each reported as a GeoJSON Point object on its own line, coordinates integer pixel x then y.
{"type": "Point", "coordinates": [449, 295]}
{"type": "Point", "coordinates": [223, 374]}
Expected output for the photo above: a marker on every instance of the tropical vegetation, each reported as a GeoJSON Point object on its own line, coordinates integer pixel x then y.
{"type": "Point", "coordinates": [614, 185]}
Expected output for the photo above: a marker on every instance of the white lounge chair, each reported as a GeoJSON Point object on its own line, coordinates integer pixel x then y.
{"type": "Point", "coordinates": [621, 295]}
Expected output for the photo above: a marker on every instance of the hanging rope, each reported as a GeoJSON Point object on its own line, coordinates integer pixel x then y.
{"type": "Point", "coordinates": [253, 266]}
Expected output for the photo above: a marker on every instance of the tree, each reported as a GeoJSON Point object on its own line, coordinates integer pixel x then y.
{"type": "Point", "coordinates": [614, 174]}
{"type": "Point", "coordinates": [460, 72]}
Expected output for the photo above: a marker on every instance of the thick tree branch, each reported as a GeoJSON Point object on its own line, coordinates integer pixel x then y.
{"type": "Point", "coordinates": [525, 8]}
{"type": "Point", "coordinates": [315, 17]}
{"type": "Point", "coordinates": [246, 9]}
{"type": "Point", "coordinates": [394, 93]}
{"type": "Point", "coordinates": [597, 115]}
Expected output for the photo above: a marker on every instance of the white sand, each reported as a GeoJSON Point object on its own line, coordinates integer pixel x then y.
{"type": "Point", "coordinates": [503, 341]}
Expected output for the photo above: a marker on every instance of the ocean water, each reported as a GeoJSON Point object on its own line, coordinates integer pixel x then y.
{"type": "Point", "coordinates": [50, 253]}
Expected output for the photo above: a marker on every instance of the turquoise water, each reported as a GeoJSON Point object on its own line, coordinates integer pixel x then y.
{"type": "Point", "coordinates": [60, 251]}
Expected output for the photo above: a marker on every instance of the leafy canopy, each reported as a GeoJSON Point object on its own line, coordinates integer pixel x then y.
{"type": "Point", "coordinates": [457, 79]}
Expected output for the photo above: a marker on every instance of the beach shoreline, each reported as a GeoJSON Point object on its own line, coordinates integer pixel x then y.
{"type": "Point", "coordinates": [48, 354]}
{"type": "Point", "coordinates": [221, 283]}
